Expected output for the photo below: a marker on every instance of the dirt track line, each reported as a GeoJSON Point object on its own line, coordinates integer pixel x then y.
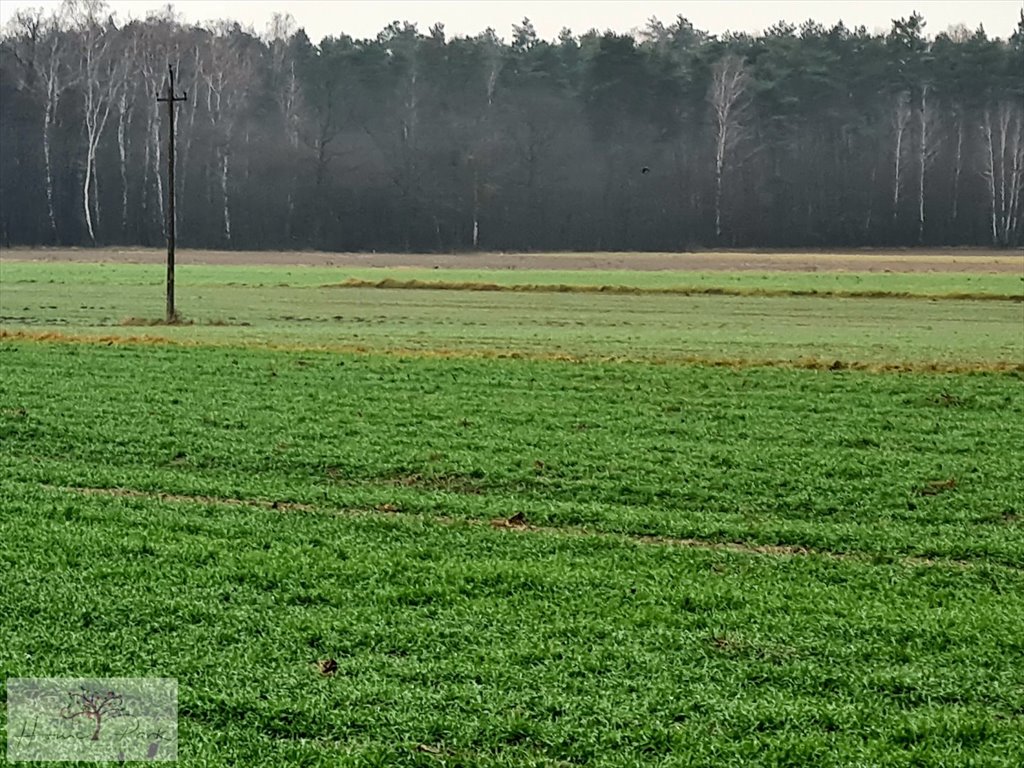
{"type": "Point", "coordinates": [804, 364]}
{"type": "Point", "coordinates": [180, 498]}
{"type": "Point", "coordinates": [682, 290]}
{"type": "Point", "coordinates": [515, 524]}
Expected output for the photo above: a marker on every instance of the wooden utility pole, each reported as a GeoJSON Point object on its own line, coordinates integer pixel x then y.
{"type": "Point", "coordinates": [171, 99]}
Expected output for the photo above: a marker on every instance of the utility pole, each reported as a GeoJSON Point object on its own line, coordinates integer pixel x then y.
{"type": "Point", "coordinates": [171, 99]}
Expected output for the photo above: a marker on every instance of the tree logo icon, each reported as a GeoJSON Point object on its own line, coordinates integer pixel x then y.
{"type": "Point", "coordinates": [94, 705]}
{"type": "Point", "coordinates": [92, 719]}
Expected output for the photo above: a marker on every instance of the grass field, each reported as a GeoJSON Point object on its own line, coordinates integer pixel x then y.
{"type": "Point", "coordinates": [430, 554]}
{"type": "Point", "coordinates": [1005, 285]}
{"type": "Point", "coordinates": [292, 306]}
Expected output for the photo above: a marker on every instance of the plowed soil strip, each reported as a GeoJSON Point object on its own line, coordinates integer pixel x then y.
{"type": "Point", "coordinates": [516, 524]}
{"type": "Point", "coordinates": [805, 363]}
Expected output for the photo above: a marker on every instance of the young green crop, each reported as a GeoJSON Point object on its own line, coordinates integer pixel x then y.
{"type": "Point", "coordinates": [423, 559]}
{"type": "Point", "coordinates": [470, 646]}
{"type": "Point", "coordinates": [908, 465]}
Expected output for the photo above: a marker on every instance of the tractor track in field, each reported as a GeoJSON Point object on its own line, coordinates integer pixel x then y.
{"type": "Point", "coordinates": [517, 524]}
{"type": "Point", "coordinates": [805, 363]}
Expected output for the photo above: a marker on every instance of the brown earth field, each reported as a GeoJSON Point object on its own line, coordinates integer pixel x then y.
{"type": "Point", "coordinates": [906, 260]}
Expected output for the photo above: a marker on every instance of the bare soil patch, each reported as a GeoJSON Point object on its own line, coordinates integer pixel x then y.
{"type": "Point", "coordinates": [897, 260]}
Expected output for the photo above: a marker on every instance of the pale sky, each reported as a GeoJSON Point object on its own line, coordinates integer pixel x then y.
{"type": "Point", "coordinates": [365, 18]}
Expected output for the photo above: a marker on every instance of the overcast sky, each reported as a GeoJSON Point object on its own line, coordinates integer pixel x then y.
{"type": "Point", "coordinates": [365, 18]}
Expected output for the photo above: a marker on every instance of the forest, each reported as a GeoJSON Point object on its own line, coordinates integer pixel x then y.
{"type": "Point", "coordinates": [668, 138]}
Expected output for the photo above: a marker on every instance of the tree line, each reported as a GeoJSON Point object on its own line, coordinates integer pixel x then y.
{"type": "Point", "coordinates": [666, 139]}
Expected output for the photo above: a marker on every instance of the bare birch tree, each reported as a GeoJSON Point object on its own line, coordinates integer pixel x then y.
{"type": "Point", "coordinates": [1015, 201]}
{"type": "Point", "coordinates": [900, 124]}
{"type": "Point", "coordinates": [227, 73]}
{"type": "Point", "coordinates": [40, 44]}
{"type": "Point", "coordinates": [279, 31]}
{"type": "Point", "coordinates": [1002, 131]}
{"type": "Point", "coordinates": [729, 81]}
{"type": "Point", "coordinates": [926, 150]}
{"type": "Point", "coordinates": [959, 34]}
{"type": "Point", "coordinates": [125, 113]}
{"type": "Point", "coordinates": [153, 69]}
{"type": "Point", "coordinates": [100, 65]}
{"type": "Point", "coordinates": [286, 92]}
{"type": "Point", "coordinates": [958, 155]}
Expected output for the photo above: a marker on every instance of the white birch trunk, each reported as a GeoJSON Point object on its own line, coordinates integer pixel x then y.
{"type": "Point", "coordinates": [901, 117]}
{"type": "Point", "coordinates": [47, 122]}
{"type": "Point", "coordinates": [728, 84]}
{"type": "Point", "coordinates": [1016, 174]}
{"type": "Point", "coordinates": [871, 201]}
{"type": "Point", "coordinates": [101, 77]}
{"type": "Point", "coordinates": [224, 193]}
{"type": "Point", "coordinates": [52, 81]}
{"type": "Point", "coordinates": [154, 138]}
{"type": "Point", "coordinates": [719, 166]}
{"type": "Point", "coordinates": [1003, 168]}
{"type": "Point", "coordinates": [922, 157]}
{"type": "Point", "coordinates": [476, 208]}
{"type": "Point", "coordinates": [86, 186]}
{"type": "Point", "coordinates": [1005, 112]}
{"type": "Point", "coordinates": [990, 170]}
{"type": "Point", "coordinates": [958, 164]}
{"type": "Point", "coordinates": [186, 135]}
{"type": "Point", "coordinates": [123, 122]}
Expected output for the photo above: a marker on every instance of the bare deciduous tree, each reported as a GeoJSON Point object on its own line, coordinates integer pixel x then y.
{"type": "Point", "coordinates": [286, 81]}
{"type": "Point", "coordinates": [1002, 131]}
{"type": "Point", "coordinates": [153, 69]}
{"type": "Point", "coordinates": [227, 73]}
{"type": "Point", "coordinates": [125, 113]}
{"type": "Point", "coordinates": [39, 43]}
{"type": "Point", "coordinates": [729, 80]}
{"type": "Point", "coordinates": [900, 123]}
{"type": "Point", "coordinates": [926, 151]}
{"type": "Point", "coordinates": [285, 78]}
{"type": "Point", "coordinates": [100, 68]}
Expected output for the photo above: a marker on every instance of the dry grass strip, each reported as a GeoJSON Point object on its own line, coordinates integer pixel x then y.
{"type": "Point", "coordinates": [803, 363]}
{"type": "Point", "coordinates": [682, 290]}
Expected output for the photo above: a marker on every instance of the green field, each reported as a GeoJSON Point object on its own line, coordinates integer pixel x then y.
{"type": "Point", "coordinates": [288, 306]}
{"type": "Point", "coordinates": [617, 558]}
{"type": "Point", "coordinates": [1002, 285]}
